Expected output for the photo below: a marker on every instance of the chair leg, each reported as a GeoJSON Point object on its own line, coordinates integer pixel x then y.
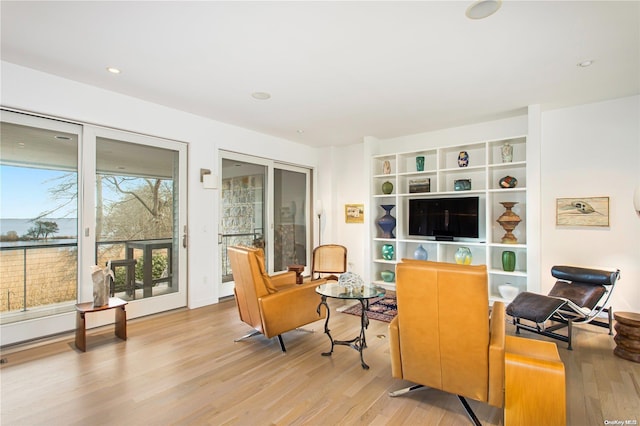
{"type": "Point", "coordinates": [281, 343]}
{"type": "Point", "coordinates": [569, 334]}
{"type": "Point", "coordinates": [469, 411]}
{"type": "Point", "coordinates": [465, 404]}
{"type": "Point", "coordinates": [246, 336]}
{"type": "Point", "coordinates": [407, 390]}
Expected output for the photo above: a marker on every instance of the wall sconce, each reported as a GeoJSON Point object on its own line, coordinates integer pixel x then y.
{"type": "Point", "coordinates": [636, 199]}
{"type": "Point", "coordinates": [208, 180]}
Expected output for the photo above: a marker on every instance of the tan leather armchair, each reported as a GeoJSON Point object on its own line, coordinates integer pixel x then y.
{"type": "Point", "coordinates": [275, 304]}
{"type": "Point", "coordinates": [444, 338]}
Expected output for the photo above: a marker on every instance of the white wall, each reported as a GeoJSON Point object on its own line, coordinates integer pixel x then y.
{"type": "Point", "coordinates": [593, 150]}
{"type": "Point", "coordinates": [344, 180]}
{"type": "Point", "coordinates": [30, 90]}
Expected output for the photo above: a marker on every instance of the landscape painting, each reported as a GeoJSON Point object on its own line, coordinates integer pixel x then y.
{"type": "Point", "coordinates": [354, 213]}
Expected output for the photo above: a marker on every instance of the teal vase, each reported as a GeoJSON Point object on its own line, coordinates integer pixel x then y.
{"type": "Point", "coordinates": [420, 163]}
{"type": "Point", "coordinates": [387, 276]}
{"type": "Point", "coordinates": [508, 261]}
{"type": "Point", "coordinates": [387, 251]}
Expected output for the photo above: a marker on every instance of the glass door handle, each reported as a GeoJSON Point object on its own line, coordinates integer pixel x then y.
{"type": "Point", "coordinates": [185, 237]}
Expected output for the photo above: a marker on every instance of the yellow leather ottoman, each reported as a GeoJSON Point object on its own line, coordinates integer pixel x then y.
{"type": "Point", "coordinates": [535, 390]}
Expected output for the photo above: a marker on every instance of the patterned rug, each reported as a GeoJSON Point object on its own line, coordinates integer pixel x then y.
{"type": "Point", "coordinates": [380, 308]}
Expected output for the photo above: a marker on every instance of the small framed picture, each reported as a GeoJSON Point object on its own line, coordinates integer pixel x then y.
{"type": "Point", "coordinates": [354, 213]}
{"type": "Point", "coordinates": [586, 211]}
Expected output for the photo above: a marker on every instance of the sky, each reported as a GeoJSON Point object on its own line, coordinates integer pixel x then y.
{"type": "Point", "coordinates": [24, 192]}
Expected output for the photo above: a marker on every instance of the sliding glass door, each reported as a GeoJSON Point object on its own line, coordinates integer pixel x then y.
{"type": "Point", "coordinates": [74, 196]}
{"type": "Point", "coordinates": [39, 218]}
{"type": "Point", "coordinates": [264, 204]}
{"type": "Point", "coordinates": [291, 218]}
{"type": "Point", "coordinates": [139, 213]}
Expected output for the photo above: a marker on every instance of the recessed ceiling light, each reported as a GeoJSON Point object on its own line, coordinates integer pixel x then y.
{"type": "Point", "coordinates": [21, 144]}
{"type": "Point", "coordinates": [586, 63]}
{"type": "Point", "coordinates": [263, 96]}
{"type": "Point", "coordinates": [300, 131]}
{"type": "Point", "coordinates": [483, 8]}
{"type": "Point", "coordinates": [113, 70]}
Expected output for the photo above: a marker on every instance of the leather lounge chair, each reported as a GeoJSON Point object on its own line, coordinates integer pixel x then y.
{"type": "Point", "coordinates": [578, 297]}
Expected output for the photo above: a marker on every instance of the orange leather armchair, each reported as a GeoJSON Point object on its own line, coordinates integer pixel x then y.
{"type": "Point", "coordinates": [275, 304]}
{"type": "Point", "coordinates": [444, 338]}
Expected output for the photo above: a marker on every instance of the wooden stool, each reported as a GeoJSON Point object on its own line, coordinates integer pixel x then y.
{"type": "Point", "coordinates": [628, 335]}
{"type": "Point", "coordinates": [84, 308]}
{"type": "Point", "coordinates": [298, 269]}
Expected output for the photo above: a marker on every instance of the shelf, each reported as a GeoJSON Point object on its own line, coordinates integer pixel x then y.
{"type": "Point", "coordinates": [512, 274]}
{"type": "Point", "coordinates": [485, 169]}
{"type": "Point", "coordinates": [507, 165]}
{"type": "Point", "coordinates": [390, 262]}
{"type": "Point", "coordinates": [507, 190]}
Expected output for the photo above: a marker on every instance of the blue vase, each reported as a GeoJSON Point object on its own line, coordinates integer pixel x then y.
{"type": "Point", "coordinates": [387, 251]}
{"type": "Point", "coordinates": [387, 222]}
{"type": "Point", "coordinates": [420, 253]}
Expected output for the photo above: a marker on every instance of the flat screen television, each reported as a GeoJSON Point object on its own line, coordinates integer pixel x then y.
{"type": "Point", "coordinates": [444, 218]}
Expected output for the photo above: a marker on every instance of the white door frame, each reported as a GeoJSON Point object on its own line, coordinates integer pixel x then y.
{"type": "Point", "coordinates": [226, 289]}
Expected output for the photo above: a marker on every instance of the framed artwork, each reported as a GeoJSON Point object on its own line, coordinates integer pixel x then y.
{"type": "Point", "coordinates": [354, 213]}
{"type": "Point", "coordinates": [586, 211]}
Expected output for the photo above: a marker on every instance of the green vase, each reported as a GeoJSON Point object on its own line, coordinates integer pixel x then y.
{"type": "Point", "coordinates": [387, 187]}
{"type": "Point", "coordinates": [508, 261]}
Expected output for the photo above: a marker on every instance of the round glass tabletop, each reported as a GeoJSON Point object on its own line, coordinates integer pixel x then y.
{"type": "Point", "coordinates": [339, 292]}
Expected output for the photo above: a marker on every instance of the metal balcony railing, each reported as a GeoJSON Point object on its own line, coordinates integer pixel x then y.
{"type": "Point", "coordinates": [249, 239]}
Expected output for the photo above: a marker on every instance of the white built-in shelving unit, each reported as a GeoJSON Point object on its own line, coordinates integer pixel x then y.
{"type": "Point", "coordinates": [485, 169]}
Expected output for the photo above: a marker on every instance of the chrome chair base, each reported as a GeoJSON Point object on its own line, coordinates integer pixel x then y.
{"type": "Point", "coordinates": [465, 404]}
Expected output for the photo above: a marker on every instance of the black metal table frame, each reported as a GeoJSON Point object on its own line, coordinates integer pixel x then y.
{"type": "Point", "coordinates": [359, 342]}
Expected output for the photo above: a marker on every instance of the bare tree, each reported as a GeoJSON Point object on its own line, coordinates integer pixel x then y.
{"type": "Point", "coordinates": [145, 209]}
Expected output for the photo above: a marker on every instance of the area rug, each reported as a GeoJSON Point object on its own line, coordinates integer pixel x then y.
{"type": "Point", "coordinates": [380, 308]}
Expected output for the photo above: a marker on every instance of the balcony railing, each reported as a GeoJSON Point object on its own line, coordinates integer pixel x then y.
{"type": "Point", "coordinates": [37, 274]}
{"type": "Point", "coordinates": [249, 239]}
{"type": "Point", "coordinates": [43, 274]}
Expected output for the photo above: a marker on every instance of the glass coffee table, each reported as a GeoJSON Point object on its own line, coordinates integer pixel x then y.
{"type": "Point", "coordinates": [362, 294]}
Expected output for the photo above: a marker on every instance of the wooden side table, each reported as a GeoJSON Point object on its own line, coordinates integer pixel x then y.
{"type": "Point", "coordinates": [298, 269]}
{"type": "Point", "coordinates": [627, 335]}
{"type": "Point", "coordinates": [84, 308]}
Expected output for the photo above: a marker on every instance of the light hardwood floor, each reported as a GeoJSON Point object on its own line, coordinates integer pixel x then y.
{"type": "Point", "coordinates": [183, 368]}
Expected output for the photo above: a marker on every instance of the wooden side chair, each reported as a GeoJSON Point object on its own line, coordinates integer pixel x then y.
{"type": "Point", "coordinates": [329, 259]}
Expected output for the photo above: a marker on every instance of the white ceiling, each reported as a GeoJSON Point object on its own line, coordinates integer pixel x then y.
{"type": "Point", "coordinates": [336, 70]}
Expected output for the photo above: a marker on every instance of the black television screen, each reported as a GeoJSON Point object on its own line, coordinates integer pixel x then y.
{"type": "Point", "coordinates": [444, 218]}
